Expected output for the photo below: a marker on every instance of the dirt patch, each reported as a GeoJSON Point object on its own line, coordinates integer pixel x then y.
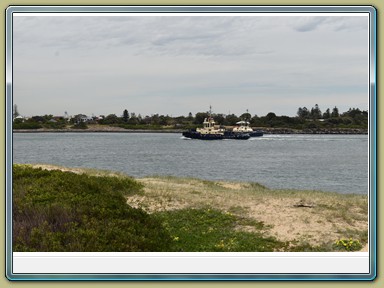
{"type": "Point", "coordinates": [306, 217]}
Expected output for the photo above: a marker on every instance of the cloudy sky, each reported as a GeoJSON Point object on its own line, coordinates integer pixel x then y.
{"type": "Point", "coordinates": [181, 64]}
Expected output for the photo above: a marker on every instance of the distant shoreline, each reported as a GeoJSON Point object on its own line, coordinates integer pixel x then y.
{"type": "Point", "coordinates": [267, 131]}
{"type": "Point", "coordinates": [92, 131]}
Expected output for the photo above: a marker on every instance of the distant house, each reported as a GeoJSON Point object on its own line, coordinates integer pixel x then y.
{"type": "Point", "coordinates": [99, 118]}
{"type": "Point", "coordinates": [81, 118]}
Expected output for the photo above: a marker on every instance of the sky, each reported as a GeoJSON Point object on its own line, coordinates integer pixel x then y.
{"type": "Point", "coordinates": [173, 65]}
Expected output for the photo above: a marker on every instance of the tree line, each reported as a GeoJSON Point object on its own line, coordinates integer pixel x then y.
{"type": "Point", "coordinates": [305, 118]}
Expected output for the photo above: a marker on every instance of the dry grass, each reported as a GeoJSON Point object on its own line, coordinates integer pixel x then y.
{"type": "Point", "coordinates": [305, 216]}
{"type": "Point", "coordinates": [89, 171]}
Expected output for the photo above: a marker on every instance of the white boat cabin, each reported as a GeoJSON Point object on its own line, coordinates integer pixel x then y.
{"type": "Point", "coordinates": [242, 127]}
{"type": "Point", "coordinates": [209, 127]}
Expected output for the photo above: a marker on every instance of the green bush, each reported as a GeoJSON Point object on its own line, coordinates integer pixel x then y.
{"type": "Point", "coordinates": [56, 211]}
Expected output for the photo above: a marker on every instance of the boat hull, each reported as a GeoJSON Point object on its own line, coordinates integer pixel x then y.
{"type": "Point", "coordinates": [197, 135]}
{"type": "Point", "coordinates": [192, 134]}
{"type": "Point", "coordinates": [236, 136]}
{"type": "Point", "coordinates": [257, 133]}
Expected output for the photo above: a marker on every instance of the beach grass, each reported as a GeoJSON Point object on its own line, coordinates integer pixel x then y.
{"type": "Point", "coordinates": [190, 214]}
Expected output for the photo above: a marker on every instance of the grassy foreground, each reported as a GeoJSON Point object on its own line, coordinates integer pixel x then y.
{"type": "Point", "coordinates": [65, 209]}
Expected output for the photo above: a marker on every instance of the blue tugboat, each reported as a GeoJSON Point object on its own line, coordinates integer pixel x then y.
{"type": "Point", "coordinates": [208, 132]}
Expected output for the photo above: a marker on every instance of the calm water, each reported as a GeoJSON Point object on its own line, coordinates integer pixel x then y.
{"type": "Point", "coordinates": [321, 162]}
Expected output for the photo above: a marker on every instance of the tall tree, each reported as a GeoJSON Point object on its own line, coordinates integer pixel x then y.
{"type": "Point", "coordinates": [219, 118]}
{"type": "Point", "coordinates": [335, 112]}
{"type": "Point", "coordinates": [125, 115]}
{"type": "Point", "coordinates": [133, 119]}
{"type": "Point", "coordinates": [246, 117]}
{"type": "Point", "coordinates": [316, 112]}
{"type": "Point", "coordinates": [327, 114]}
{"type": "Point", "coordinates": [270, 116]}
{"type": "Point", "coordinates": [303, 112]}
{"type": "Point", "coordinates": [15, 111]}
{"type": "Point", "coordinates": [200, 116]}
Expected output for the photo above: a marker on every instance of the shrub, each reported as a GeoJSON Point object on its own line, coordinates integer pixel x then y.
{"type": "Point", "coordinates": [348, 245]}
{"type": "Point", "coordinates": [55, 211]}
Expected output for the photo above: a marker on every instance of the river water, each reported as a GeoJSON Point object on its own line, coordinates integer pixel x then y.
{"type": "Point", "coordinates": [336, 163]}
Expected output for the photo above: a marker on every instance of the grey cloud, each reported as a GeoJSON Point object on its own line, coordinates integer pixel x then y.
{"type": "Point", "coordinates": [161, 40]}
{"type": "Point", "coordinates": [330, 23]}
{"type": "Point", "coordinates": [348, 23]}
{"type": "Point", "coordinates": [194, 36]}
{"type": "Point", "coordinates": [306, 24]}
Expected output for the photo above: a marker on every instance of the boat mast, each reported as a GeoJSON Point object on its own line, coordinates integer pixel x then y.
{"type": "Point", "coordinates": [210, 116]}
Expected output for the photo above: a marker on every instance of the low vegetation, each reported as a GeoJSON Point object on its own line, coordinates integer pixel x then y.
{"type": "Point", "coordinates": [64, 209]}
